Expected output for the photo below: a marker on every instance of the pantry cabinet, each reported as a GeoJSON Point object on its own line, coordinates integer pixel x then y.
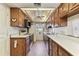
{"type": "Point", "coordinates": [17, 17]}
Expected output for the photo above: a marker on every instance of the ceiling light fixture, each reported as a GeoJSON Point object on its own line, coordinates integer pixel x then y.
{"type": "Point", "coordinates": [37, 4]}
{"type": "Point", "coordinates": [38, 14]}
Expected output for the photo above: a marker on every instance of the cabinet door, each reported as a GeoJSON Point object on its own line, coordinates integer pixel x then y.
{"type": "Point", "coordinates": [64, 10]}
{"type": "Point", "coordinates": [14, 16]}
{"type": "Point", "coordinates": [17, 47]}
{"type": "Point", "coordinates": [56, 18]}
{"type": "Point", "coordinates": [21, 19]}
{"type": "Point", "coordinates": [55, 49]}
{"type": "Point", "coordinates": [73, 5]}
{"type": "Point", "coordinates": [73, 9]}
{"type": "Point", "coordinates": [49, 46]}
{"type": "Point", "coordinates": [63, 21]}
{"type": "Point", "coordinates": [60, 10]}
{"type": "Point", "coordinates": [52, 18]}
{"type": "Point", "coordinates": [62, 52]}
{"type": "Point", "coordinates": [51, 50]}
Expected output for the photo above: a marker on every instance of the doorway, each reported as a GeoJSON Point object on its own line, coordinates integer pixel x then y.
{"type": "Point", "coordinates": [39, 29]}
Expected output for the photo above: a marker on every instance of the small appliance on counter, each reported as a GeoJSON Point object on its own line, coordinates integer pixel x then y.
{"type": "Point", "coordinates": [22, 31]}
{"type": "Point", "coordinates": [27, 24]}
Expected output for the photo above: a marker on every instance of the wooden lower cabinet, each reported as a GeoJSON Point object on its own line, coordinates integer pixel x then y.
{"type": "Point", "coordinates": [56, 50]}
{"type": "Point", "coordinates": [18, 47]}
{"type": "Point", "coordinates": [52, 51]}
{"type": "Point", "coordinates": [63, 52]}
{"type": "Point", "coordinates": [49, 46]}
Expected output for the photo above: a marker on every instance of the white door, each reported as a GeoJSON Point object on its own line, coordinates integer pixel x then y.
{"type": "Point", "coordinates": [39, 31]}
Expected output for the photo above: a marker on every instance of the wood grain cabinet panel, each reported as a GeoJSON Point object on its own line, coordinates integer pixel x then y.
{"type": "Point", "coordinates": [56, 50]}
{"type": "Point", "coordinates": [14, 16]}
{"type": "Point", "coordinates": [73, 5]}
{"type": "Point", "coordinates": [53, 48]}
{"type": "Point", "coordinates": [17, 17]}
{"type": "Point", "coordinates": [62, 12]}
{"type": "Point", "coordinates": [18, 47]}
{"type": "Point", "coordinates": [73, 9]}
{"type": "Point", "coordinates": [63, 9]}
{"type": "Point", "coordinates": [63, 52]}
{"type": "Point", "coordinates": [56, 18]}
{"type": "Point", "coordinates": [63, 22]}
{"type": "Point", "coordinates": [21, 19]}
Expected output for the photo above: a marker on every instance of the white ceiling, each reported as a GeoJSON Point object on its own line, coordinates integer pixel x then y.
{"type": "Point", "coordinates": [44, 11]}
{"type": "Point", "coordinates": [31, 5]}
{"type": "Point", "coordinates": [38, 15]}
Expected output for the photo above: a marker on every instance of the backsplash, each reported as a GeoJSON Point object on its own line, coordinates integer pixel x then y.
{"type": "Point", "coordinates": [75, 25]}
{"type": "Point", "coordinates": [60, 30]}
{"type": "Point", "coordinates": [13, 31]}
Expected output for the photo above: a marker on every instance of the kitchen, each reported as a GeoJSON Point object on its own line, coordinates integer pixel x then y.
{"type": "Point", "coordinates": [39, 29]}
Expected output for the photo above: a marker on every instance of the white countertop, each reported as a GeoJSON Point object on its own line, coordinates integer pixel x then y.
{"type": "Point", "coordinates": [70, 44]}
{"type": "Point", "coordinates": [19, 36]}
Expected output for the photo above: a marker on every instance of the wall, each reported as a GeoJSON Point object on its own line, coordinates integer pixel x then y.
{"type": "Point", "coordinates": [61, 30]}
{"type": "Point", "coordinates": [13, 30]}
{"type": "Point", "coordinates": [73, 27]}
{"type": "Point", "coordinates": [4, 25]}
{"type": "Point", "coordinates": [32, 30]}
{"type": "Point", "coordinates": [6, 30]}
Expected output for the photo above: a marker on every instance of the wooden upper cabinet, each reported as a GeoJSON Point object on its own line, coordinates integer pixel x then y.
{"type": "Point", "coordinates": [52, 18]}
{"type": "Point", "coordinates": [17, 17]}
{"type": "Point", "coordinates": [68, 9]}
{"type": "Point", "coordinates": [21, 18]}
{"type": "Point", "coordinates": [14, 16]}
{"type": "Point", "coordinates": [73, 9]}
{"type": "Point", "coordinates": [63, 22]}
{"type": "Point", "coordinates": [73, 5]}
{"type": "Point", "coordinates": [63, 9]}
{"type": "Point", "coordinates": [60, 10]}
{"type": "Point", "coordinates": [56, 18]}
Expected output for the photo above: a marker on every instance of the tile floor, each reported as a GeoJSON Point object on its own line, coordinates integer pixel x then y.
{"type": "Point", "coordinates": [39, 48]}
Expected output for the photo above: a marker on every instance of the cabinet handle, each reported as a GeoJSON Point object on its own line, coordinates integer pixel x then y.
{"type": "Point", "coordinates": [15, 43]}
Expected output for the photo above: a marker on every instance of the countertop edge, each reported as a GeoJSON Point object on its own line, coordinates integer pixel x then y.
{"type": "Point", "coordinates": [74, 54]}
